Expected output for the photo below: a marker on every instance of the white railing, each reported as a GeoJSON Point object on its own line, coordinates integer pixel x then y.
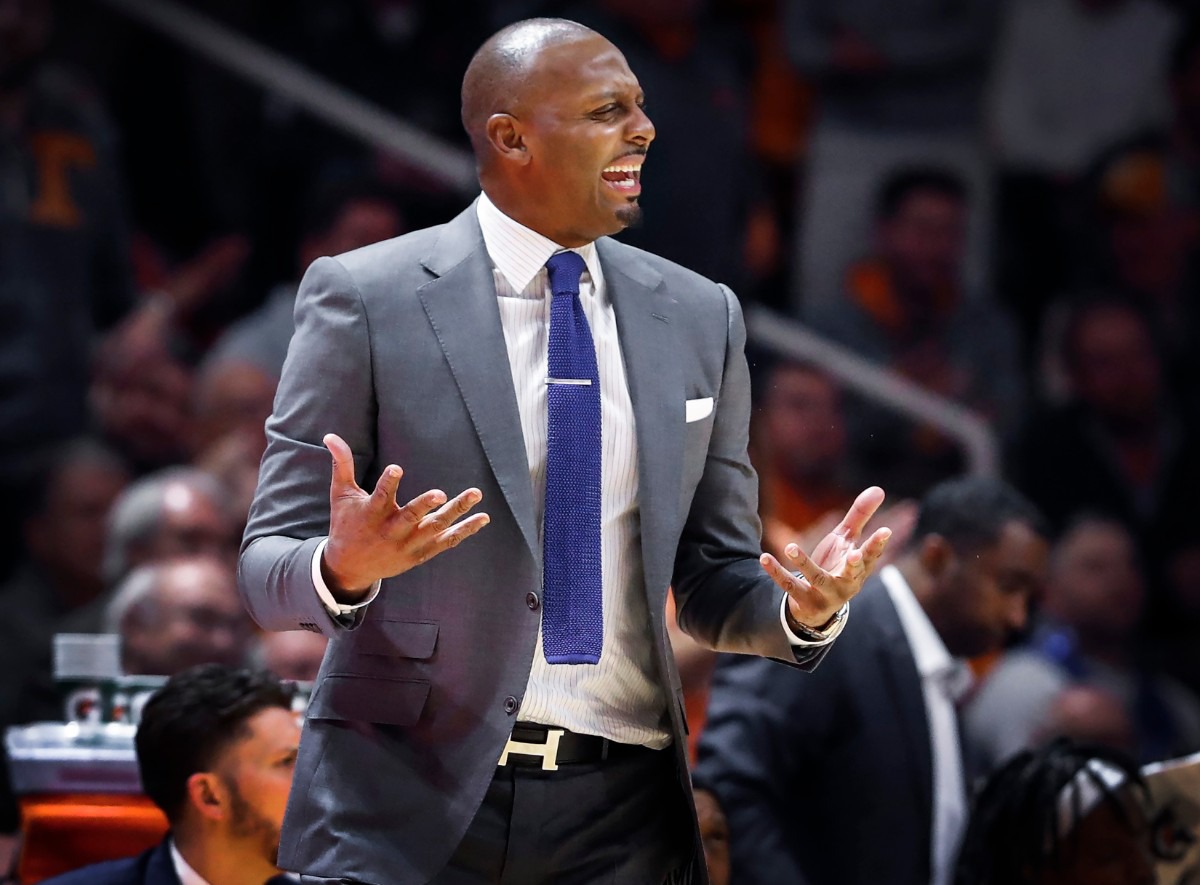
{"type": "Point", "coordinates": [788, 338]}
{"type": "Point", "coordinates": [318, 96]}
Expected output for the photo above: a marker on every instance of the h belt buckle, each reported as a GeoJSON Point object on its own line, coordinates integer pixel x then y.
{"type": "Point", "coordinates": [548, 751]}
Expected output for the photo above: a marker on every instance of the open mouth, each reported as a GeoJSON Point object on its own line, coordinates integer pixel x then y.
{"type": "Point", "coordinates": [625, 176]}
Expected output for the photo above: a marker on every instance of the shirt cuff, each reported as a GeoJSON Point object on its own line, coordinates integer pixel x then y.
{"type": "Point", "coordinates": [834, 632]}
{"type": "Point", "coordinates": [337, 609]}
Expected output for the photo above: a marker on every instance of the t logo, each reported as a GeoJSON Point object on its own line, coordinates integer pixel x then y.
{"type": "Point", "coordinates": [56, 154]}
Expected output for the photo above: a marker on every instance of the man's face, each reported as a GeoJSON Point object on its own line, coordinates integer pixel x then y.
{"type": "Point", "coordinates": [257, 773]}
{"type": "Point", "coordinates": [192, 524]}
{"type": "Point", "coordinates": [1116, 371]}
{"type": "Point", "coordinates": [983, 596]}
{"type": "Point", "coordinates": [581, 120]}
{"type": "Point", "coordinates": [924, 242]}
{"type": "Point", "coordinates": [1095, 584]}
{"type": "Point", "coordinates": [197, 618]}
{"type": "Point", "coordinates": [68, 535]}
{"type": "Point", "coordinates": [805, 431]}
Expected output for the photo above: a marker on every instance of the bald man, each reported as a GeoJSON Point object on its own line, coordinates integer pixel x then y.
{"type": "Point", "coordinates": [508, 710]}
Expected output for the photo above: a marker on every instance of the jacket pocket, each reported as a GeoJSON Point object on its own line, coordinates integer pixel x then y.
{"type": "Point", "coordinates": [352, 698]}
{"type": "Point", "coordinates": [396, 639]}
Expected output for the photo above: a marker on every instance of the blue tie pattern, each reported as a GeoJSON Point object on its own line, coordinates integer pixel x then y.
{"type": "Point", "coordinates": [572, 615]}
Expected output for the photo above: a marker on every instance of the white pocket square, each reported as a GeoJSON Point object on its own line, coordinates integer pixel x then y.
{"type": "Point", "coordinates": [695, 409]}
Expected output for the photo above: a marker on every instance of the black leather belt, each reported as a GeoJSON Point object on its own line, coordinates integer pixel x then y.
{"type": "Point", "coordinates": [547, 747]}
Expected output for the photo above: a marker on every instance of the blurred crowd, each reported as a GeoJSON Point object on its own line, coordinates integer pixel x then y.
{"type": "Point", "coordinates": [999, 201]}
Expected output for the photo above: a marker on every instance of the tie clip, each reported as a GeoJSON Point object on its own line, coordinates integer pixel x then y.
{"type": "Point", "coordinates": [582, 382]}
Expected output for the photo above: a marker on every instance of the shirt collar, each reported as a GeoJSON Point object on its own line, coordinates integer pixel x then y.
{"type": "Point", "coordinates": [929, 652]}
{"type": "Point", "coordinates": [519, 253]}
{"type": "Point", "coordinates": [187, 876]}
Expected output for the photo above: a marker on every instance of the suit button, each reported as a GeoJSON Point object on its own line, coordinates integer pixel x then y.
{"type": "Point", "coordinates": [531, 600]}
{"type": "Point", "coordinates": [510, 705]}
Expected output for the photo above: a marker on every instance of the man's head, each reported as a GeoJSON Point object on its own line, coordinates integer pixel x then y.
{"type": "Point", "coordinates": [803, 424]}
{"type": "Point", "coordinates": [1111, 362]}
{"type": "Point", "coordinates": [555, 117]}
{"type": "Point", "coordinates": [292, 654]}
{"type": "Point", "coordinates": [1066, 814]}
{"type": "Point", "coordinates": [65, 532]}
{"type": "Point", "coordinates": [1095, 584]}
{"type": "Point", "coordinates": [176, 512]}
{"type": "Point", "coordinates": [347, 215]}
{"type": "Point", "coordinates": [176, 614]}
{"type": "Point", "coordinates": [977, 555]}
{"type": "Point", "coordinates": [921, 230]}
{"type": "Point", "coordinates": [216, 747]}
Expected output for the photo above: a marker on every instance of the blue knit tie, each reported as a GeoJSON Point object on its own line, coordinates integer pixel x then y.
{"type": "Point", "coordinates": [572, 615]}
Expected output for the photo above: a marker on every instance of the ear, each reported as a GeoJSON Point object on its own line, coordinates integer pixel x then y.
{"type": "Point", "coordinates": [937, 556]}
{"type": "Point", "coordinates": [506, 138]}
{"type": "Point", "coordinates": [207, 795]}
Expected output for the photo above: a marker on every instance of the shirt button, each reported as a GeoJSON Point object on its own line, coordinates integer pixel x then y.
{"type": "Point", "coordinates": [510, 705]}
{"type": "Point", "coordinates": [531, 600]}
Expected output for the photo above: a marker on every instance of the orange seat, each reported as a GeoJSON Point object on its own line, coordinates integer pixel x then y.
{"type": "Point", "coordinates": [63, 832]}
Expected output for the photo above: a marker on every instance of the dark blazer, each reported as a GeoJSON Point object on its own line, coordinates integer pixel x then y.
{"type": "Point", "coordinates": [400, 350]}
{"type": "Point", "coordinates": [151, 867]}
{"type": "Point", "coordinates": [825, 779]}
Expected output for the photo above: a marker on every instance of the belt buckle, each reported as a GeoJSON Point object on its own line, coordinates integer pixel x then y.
{"type": "Point", "coordinates": [547, 751]}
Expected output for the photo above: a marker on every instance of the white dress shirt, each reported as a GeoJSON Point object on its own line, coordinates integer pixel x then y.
{"type": "Point", "coordinates": [943, 680]}
{"type": "Point", "coordinates": [187, 876]}
{"type": "Point", "coordinates": [620, 697]}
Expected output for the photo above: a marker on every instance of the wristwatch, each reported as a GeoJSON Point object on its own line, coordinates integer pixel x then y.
{"type": "Point", "coordinates": [816, 634]}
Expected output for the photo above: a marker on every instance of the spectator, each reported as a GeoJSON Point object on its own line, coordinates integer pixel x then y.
{"type": "Point", "coordinates": [1091, 716]}
{"type": "Point", "coordinates": [714, 835]}
{"type": "Point", "coordinates": [65, 538]}
{"type": "Point", "coordinates": [216, 748]}
{"type": "Point", "coordinates": [64, 267]}
{"type": "Point", "coordinates": [906, 308]}
{"type": "Point", "coordinates": [879, 719]}
{"type": "Point", "coordinates": [292, 654]}
{"type": "Point", "coordinates": [175, 512]}
{"type": "Point", "coordinates": [176, 614]}
{"type": "Point", "coordinates": [343, 217]}
{"type": "Point", "coordinates": [1087, 636]}
{"type": "Point", "coordinates": [897, 84]}
{"type": "Point", "coordinates": [800, 451]}
{"type": "Point", "coordinates": [1118, 446]}
{"type": "Point", "coordinates": [1066, 814]}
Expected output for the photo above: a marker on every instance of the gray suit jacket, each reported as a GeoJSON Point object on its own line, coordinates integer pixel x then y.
{"type": "Point", "coordinates": [399, 349]}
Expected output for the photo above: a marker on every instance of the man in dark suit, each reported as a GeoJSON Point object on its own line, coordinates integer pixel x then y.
{"type": "Point", "coordinates": [509, 710]}
{"type": "Point", "coordinates": [855, 777]}
{"type": "Point", "coordinates": [216, 748]}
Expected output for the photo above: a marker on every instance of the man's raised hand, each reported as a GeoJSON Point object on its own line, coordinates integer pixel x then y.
{"type": "Point", "coordinates": [837, 567]}
{"type": "Point", "coordinates": [372, 537]}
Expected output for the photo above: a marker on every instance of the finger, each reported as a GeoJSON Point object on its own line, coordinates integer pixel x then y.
{"type": "Point", "coordinates": [343, 463]}
{"type": "Point", "coordinates": [860, 512]}
{"type": "Point", "coordinates": [456, 507]}
{"type": "Point", "coordinates": [419, 507]}
{"type": "Point", "coordinates": [809, 600]}
{"type": "Point", "coordinates": [454, 535]}
{"type": "Point", "coordinates": [813, 574]}
{"type": "Point", "coordinates": [384, 496]}
{"type": "Point", "coordinates": [874, 547]}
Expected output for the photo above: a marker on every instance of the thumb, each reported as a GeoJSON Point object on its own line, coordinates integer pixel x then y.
{"type": "Point", "coordinates": [343, 463]}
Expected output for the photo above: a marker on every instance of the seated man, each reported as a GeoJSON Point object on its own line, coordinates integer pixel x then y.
{"type": "Point", "coordinates": [216, 747]}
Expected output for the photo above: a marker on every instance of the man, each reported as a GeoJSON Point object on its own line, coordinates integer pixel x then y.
{"type": "Point", "coordinates": [176, 614]}
{"type": "Point", "coordinates": [856, 776]}
{"type": "Point", "coordinates": [216, 748]}
{"type": "Point", "coordinates": [431, 352]}
{"type": "Point", "coordinates": [906, 306]}
{"type": "Point", "coordinates": [1088, 636]}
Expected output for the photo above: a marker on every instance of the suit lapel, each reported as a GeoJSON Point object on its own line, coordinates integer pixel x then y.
{"type": "Point", "coordinates": [907, 697]}
{"type": "Point", "coordinates": [463, 311]}
{"type": "Point", "coordinates": [159, 868]}
{"type": "Point", "coordinates": [649, 350]}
